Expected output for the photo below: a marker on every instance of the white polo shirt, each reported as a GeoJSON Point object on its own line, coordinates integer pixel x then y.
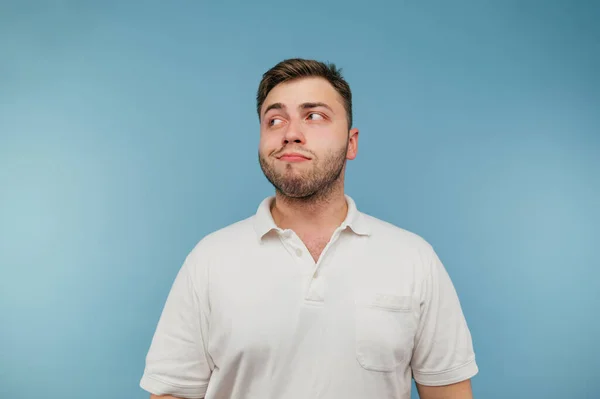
{"type": "Point", "coordinates": [251, 315]}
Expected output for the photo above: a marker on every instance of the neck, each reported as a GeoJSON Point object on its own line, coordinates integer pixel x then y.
{"type": "Point", "coordinates": [312, 215]}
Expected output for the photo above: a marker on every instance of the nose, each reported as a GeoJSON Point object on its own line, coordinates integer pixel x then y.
{"type": "Point", "coordinates": [293, 134]}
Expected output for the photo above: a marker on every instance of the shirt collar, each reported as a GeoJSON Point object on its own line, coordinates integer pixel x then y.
{"type": "Point", "coordinates": [264, 223]}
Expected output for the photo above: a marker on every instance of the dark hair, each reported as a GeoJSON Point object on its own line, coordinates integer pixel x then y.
{"type": "Point", "coordinates": [296, 68]}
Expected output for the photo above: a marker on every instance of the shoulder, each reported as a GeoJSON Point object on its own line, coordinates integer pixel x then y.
{"type": "Point", "coordinates": [395, 246]}
{"type": "Point", "coordinates": [223, 240]}
{"type": "Point", "coordinates": [387, 233]}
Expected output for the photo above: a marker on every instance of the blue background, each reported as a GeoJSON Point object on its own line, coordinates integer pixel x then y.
{"type": "Point", "coordinates": [128, 132]}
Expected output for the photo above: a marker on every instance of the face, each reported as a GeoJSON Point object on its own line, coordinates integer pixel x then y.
{"type": "Point", "coordinates": [304, 138]}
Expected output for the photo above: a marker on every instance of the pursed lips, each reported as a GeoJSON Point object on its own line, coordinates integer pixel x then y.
{"type": "Point", "coordinates": [293, 157]}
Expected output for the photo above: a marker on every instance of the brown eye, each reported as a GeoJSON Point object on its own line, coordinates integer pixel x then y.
{"type": "Point", "coordinates": [274, 122]}
{"type": "Point", "coordinates": [315, 117]}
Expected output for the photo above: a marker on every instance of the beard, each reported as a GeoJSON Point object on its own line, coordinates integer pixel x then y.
{"type": "Point", "coordinates": [310, 183]}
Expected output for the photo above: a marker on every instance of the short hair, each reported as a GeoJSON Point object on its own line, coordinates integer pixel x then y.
{"type": "Point", "coordinates": [296, 68]}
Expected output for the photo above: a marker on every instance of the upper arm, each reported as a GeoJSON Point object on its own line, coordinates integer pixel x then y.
{"type": "Point", "coordinates": [460, 390]}
{"type": "Point", "coordinates": [443, 352]}
{"type": "Point", "coordinates": [178, 362]}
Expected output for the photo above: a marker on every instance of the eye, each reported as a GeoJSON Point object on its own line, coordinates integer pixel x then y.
{"type": "Point", "coordinates": [275, 122]}
{"type": "Point", "coordinates": [315, 117]}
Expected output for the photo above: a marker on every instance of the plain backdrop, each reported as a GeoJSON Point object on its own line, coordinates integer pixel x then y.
{"type": "Point", "coordinates": [128, 131]}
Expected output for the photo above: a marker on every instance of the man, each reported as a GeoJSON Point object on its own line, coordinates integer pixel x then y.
{"type": "Point", "coordinates": [310, 298]}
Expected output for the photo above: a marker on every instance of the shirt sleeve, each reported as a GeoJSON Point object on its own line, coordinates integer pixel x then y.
{"type": "Point", "coordinates": [443, 352]}
{"type": "Point", "coordinates": [177, 362]}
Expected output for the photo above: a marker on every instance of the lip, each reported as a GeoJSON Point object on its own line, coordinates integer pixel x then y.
{"type": "Point", "coordinates": [293, 157]}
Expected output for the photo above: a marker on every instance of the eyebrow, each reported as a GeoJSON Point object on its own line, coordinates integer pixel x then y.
{"type": "Point", "coordinates": [308, 105]}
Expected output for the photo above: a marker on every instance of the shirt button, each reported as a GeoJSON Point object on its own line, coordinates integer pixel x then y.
{"type": "Point", "coordinates": [298, 252]}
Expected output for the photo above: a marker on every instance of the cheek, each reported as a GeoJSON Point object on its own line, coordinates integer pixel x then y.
{"type": "Point", "coordinates": [268, 143]}
{"type": "Point", "coordinates": [325, 142]}
{"type": "Point", "coordinates": [265, 147]}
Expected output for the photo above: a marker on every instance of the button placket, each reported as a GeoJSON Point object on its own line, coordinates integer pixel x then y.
{"type": "Point", "coordinates": [316, 289]}
{"type": "Point", "coordinates": [316, 284]}
{"type": "Point", "coordinates": [293, 244]}
{"type": "Point", "coordinates": [327, 249]}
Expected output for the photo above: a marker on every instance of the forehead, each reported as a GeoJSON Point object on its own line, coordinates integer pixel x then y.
{"type": "Point", "coordinates": [304, 90]}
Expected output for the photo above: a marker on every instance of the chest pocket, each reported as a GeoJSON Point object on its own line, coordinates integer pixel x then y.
{"type": "Point", "coordinates": [385, 330]}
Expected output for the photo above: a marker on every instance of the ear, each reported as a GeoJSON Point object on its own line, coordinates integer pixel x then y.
{"type": "Point", "coordinates": [352, 144]}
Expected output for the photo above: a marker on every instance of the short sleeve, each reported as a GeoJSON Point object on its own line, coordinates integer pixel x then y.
{"type": "Point", "coordinates": [177, 362]}
{"type": "Point", "coordinates": [443, 352]}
